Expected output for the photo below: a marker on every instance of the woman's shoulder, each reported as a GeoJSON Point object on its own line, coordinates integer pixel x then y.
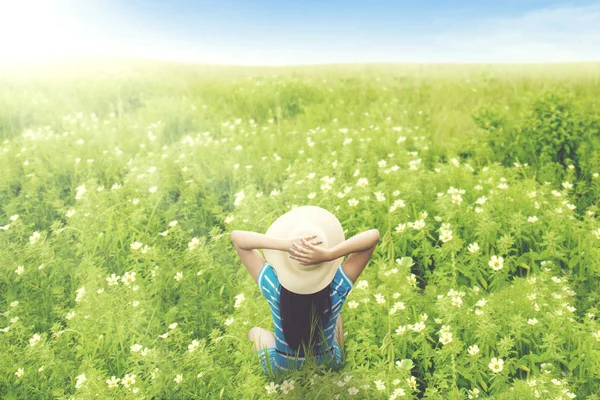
{"type": "Point", "coordinates": [267, 271]}
{"type": "Point", "coordinates": [341, 281]}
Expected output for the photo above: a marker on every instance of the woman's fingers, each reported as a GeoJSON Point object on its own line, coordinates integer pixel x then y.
{"type": "Point", "coordinates": [300, 249]}
{"type": "Point", "coordinates": [297, 253]}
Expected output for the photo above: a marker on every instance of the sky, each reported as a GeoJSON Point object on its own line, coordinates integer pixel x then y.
{"type": "Point", "coordinates": [294, 32]}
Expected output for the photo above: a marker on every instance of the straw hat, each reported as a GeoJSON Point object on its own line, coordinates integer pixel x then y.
{"type": "Point", "coordinates": [301, 222]}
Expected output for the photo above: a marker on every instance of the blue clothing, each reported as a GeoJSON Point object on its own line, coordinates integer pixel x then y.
{"type": "Point", "coordinates": [269, 285]}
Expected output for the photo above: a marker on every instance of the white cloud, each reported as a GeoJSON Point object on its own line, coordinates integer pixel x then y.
{"type": "Point", "coordinates": [545, 35]}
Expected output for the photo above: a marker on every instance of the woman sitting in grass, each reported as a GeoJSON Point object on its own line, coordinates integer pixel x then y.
{"type": "Point", "coordinates": [306, 288]}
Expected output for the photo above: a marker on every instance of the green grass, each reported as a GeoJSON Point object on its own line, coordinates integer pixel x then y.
{"type": "Point", "coordinates": [215, 133]}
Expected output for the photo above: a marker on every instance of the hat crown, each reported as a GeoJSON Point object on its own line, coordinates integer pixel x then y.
{"type": "Point", "coordinates": [300, 222]}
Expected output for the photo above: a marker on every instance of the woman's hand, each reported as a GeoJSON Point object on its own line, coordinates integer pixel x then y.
{"type": "Point", "coordinates": [307, 252]}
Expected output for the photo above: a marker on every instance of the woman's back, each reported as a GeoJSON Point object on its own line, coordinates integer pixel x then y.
{"type": "Point", "coordinates": [339, 289]}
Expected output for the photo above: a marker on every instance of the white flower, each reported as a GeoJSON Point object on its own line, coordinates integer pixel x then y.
{"type": "Point", "coordinates": [193, 244]}
{"type": "Point", "coordinates": [34, 339]}
{"type": "Point", "coordinates": [532, 321]}
{"type": "Point", "coordinates": [70, 213]}
{"type": "Point", "coordinates": [379, 297]}
{"type": "Point", "coordinates": [153, 189]}
{"type": "Point", "coordinates": [446, 236]}
{"type": "Point", "coordinates": [496, 365]}
{"type": "Point", "coordinates": [445, 338]}
{"type": "Point", "coordinates": [474, 393]}
{"type": "Point", "coordinates": [532, 219]}
{"type": "Point", "coordinates": [412, 279]}
{"type": "Point", "coordinates": [178, 276]}
{"type": "Point", "coordinates": [457, 301]}
{"type": "Point", "coordinates": [113, 280]}
{"type": "Point", "coordinates": [481, 200]}
{"type": "Point", "coordinates": [128, 380]}
{"type": "Point", "coordinates": [401, 329]}
{"type": "Point", "coordinates": [362, 182]}
{"type": "Point", "coordinates": [597, 335]}
{"type": "Point", "coordinates": [352, 304]}
{"type": "Point", "coordinates": [418, 327]}
{"type": "Point", "coordinates": [412, 382]}
{"type": "Point", "coordinates": [418, 224]}
{"type": "Point", "coordinates": [400, 228]}
{"type": "Point", "coordinates": [496, 263]}
{"type": "Point", "coordinates": [113, 382]}
{"type": "Point", "coordinates": [20, 269]}
{"type": "Point", "coordinates": [229, 321]}
{"type": "Point", "coordinates": [379, 196]}
{"type": "Point", "coordinates": [80, 293]}
{"type": "Point", "coordinates": [474, 349]}
{"type": "Point", "coordinates": [136, 347]}
{"type": "Point", "coordinates": [173, 325]}
{"type": "Point", "coordinates": [379, 384]}
{"type": "Point", "coordinates": [287, 386]}
{"type": "Point", "coordinates": [457, 198]}
{"type": "Point", "coordinates": [193, 346]}
{"type": "Point", "coordinates": [352, 391]}
{"type": "Point", "coordinates": [179, 378]}
{"type": "Point", "coordinates": [80, 379]}
{"type": "Point", "coordinates": [20, 372]}
{"type": "Point", "coordinates": [271, 388]}
{"type": "Point", "coordinates": [80, 192]}
{"type": "Point", "coordinates": [128, 278]}
{"type": "Point", "coordinates": [238, 300]}
{"type": "Point", "coordinates": [363, 284]}
{"type": "Point", "coordinates": [136, 245]}
{"type": "Point", "coordinates": [239, 197]}
{"type": "Point", "coordinates": [34, 238]}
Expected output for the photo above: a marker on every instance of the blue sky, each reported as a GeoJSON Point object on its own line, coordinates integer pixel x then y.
{"type": "Point", "coordinates": [268, 32]}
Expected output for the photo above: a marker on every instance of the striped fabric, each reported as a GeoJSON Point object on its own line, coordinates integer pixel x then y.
{"type": "Point", "coordinates": [270, 288]}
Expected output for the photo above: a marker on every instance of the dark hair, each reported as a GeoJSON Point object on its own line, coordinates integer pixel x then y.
{"type": "Point", "coordinates": [303, 317]}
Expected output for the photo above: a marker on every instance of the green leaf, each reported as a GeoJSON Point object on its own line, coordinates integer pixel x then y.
{"type": "Point", "coordinates": [483, 282]}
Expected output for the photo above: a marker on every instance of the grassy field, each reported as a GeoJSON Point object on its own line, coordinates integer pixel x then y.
{"type": "Point", "coordinates": [120, 183]}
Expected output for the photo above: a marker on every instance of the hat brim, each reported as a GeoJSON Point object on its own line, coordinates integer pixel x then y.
{"type": "Point", "coordinates": [292, 275]}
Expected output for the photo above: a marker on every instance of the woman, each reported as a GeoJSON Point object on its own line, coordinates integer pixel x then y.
{"type": "Point", "coordinates": [306, 288]}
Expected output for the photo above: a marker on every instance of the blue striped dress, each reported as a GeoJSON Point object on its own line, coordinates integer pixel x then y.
{"type": "Point", "coordinates": [282, 357]}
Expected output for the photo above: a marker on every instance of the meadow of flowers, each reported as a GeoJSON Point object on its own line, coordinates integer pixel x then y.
{"type": "Point", "coordinates": [119, 188]}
